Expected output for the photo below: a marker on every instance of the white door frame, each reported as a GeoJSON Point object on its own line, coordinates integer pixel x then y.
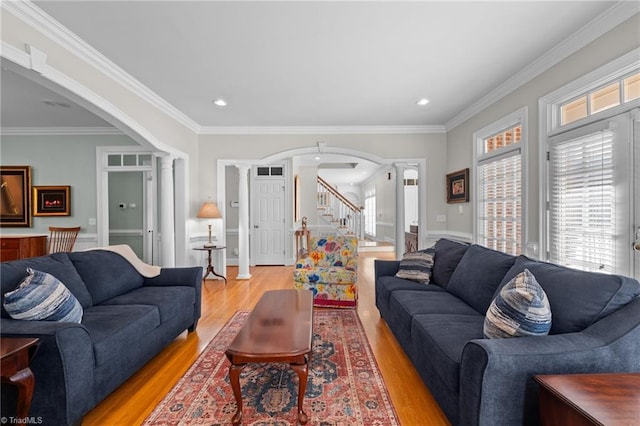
{"type": "Point", "coordinates": [149, 191]}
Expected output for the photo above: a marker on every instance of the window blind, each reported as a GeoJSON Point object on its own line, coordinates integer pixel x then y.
{"type": "Point", "coordinates": [500, 203]}
{"type": "Point", "coordinates": [582, 202]}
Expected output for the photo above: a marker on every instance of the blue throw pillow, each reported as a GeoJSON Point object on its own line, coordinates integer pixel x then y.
{"type": "Point", "coordinates": [520, 309]}
{"type": "Point", "coordinates": [42, 297]}
{"type": "Point", "coordinates": [416, 266]}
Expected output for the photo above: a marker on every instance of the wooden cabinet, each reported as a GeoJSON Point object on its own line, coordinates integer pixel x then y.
{"type": "Point", "coordinates": [411, 239]}
{"type": "Point", "coordinates": [14, 247]}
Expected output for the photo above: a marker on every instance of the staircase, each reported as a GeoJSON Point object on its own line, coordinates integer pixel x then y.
{"type": "Point", "coordinates": [338, 212]}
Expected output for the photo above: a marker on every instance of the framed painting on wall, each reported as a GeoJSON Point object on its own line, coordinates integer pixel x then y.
{"type": "Point", "coordinates": [52, 200]}
{"type": "Point", "coordinates": [458, 187]}
{"type": "Point", "coordinates": [15, 186]}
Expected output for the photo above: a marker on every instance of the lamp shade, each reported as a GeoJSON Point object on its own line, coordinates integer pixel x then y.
{"type": "Point", "coordinates": [209, 210]}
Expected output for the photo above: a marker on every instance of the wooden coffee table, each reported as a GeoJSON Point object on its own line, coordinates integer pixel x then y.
{"type": "Point", "coordinates": [279, 329]}
{"type": "Point", "coordinates": [589, 399]}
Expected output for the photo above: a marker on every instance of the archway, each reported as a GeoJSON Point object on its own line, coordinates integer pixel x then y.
{"type": "Point", "coordinates": [286, 157]}
{"type": "Point", "coordinates": [33, 67]}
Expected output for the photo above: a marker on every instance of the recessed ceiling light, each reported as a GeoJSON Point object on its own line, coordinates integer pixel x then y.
{"type": "Point", "coordinates": [423, 102]}
{"type": "Point", "coordinates": [220, 102]}
{"type": "Point", "coordinates": [317, 158]}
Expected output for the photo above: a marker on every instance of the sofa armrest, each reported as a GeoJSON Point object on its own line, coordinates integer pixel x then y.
{"type": "Point", "coordinates": [497, 370]}
{"type": "Point", "coordinates": [63, 368]}
{"type": "Point", "coordinates": [385, 268]}
{"type": "Point", "coordinates": [190, 277]}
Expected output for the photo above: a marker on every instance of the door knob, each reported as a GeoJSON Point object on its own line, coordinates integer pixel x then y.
{"type": "Point", "coordinates": [256, 226]}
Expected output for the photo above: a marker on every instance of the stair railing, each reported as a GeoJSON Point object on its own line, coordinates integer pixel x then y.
{"type": "Point", "coordinates": [346, 216]}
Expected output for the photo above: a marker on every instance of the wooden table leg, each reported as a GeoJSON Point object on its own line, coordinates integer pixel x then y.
{"type": "Point", "coordinates": [303, 374]}
{"type": "Point", "coordinates": [234, 378]}
{"type": "Point", "coordinates": [25, 382]}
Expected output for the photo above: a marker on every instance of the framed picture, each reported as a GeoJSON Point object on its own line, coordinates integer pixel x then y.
{"type": "Point", "coordinates": [15, 186]}
{"type": "Point", "coordinates": [52, 200]}
{"type": "Point", "coordinates": [458, 187]}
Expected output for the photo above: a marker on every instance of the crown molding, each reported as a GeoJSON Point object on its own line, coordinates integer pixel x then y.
{"type": "Point", "coordinates": [52, 29]}
{"type": "Point", "coordinates": [53, 131]}
{"type": "Point", "coordinates": [608, 20]}
{"type": "Point", "coordinates": [319, 130]}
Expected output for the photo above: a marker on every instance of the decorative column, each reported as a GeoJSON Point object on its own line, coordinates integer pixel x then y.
{"type": "Point", "coordinates": [167, 232]}
{"type": "Point", "coordinates": [399, 209]}
{"type": "Point", "coordinates": [243, 222]}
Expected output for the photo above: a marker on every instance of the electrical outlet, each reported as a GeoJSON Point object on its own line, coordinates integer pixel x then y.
{"type": "Point", "coordinates": [441, 218]}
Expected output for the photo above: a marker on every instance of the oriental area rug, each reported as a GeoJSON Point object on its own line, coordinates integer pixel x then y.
{"type": "Point", "coordinates": [345, 387]}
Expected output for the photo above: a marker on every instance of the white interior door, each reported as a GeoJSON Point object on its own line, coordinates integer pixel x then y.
{"type": "Point", "coordinates": [268, 221]}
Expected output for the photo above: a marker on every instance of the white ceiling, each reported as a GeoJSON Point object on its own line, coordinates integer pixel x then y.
{"type": "Point", "coordinates": [303, 63]}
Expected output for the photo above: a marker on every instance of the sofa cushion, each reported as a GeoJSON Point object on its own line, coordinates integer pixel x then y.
{"type": "Point", "coordinates": [447, 256]}
{"type": "Point", "coordinates": [441, 338]}
{"type": "Point", "coordinates": [58, 264]}
{"type": "Point", "coordinates": [116, 329]}
{"type": "Point", "coordinates": [405, 304]}
{"type": "Point", "coordinates": [171, 301]}
{"type": "Point", "coordinates": [478, 275]}
{"type": "Point", "coordinates": [416, 266]}
{"type": "Point", "coordinates": [521, 308]}
{"type": "Point", "coordinates": [105, 273]}
{"type": "Point", "coordinates": [385, 285]}
{"type": "Point", "coordinates": [577, 298]}
{"type": "Point", "coordinates": [42, 297]}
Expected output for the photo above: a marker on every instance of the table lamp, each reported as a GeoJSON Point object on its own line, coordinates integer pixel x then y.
{"type": "Point", "coordinates": [209, 210]}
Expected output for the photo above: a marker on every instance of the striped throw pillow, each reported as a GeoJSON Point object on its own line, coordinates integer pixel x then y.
{"type": "Point", "coordinates": [416, 266]}
{"type": "Point", "coordinates": [42, 297]}
{"type": "Point", "coordinates": [521, 308]}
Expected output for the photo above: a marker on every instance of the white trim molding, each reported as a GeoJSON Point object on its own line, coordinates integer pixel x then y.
{"type": "Point", "coordinates": [320, 130]}
{"type": "Point", "coordinates": [52, 29]}
{"type": "Point", "coordinates": [64, 131]}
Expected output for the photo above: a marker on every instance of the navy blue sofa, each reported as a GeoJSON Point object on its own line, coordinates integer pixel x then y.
{"type": "Point", "coordinates": [478, 381]}
{"type": "Point", "coordinates": [127, 320]}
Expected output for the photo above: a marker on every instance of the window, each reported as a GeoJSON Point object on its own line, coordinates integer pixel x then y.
{"type": "Point", "coordinates": [276, 171]}
{"type": "Point", "coordinates": [621, 90]}
{"type": "Point", "coordinates": [370, 212]}
{"type": "Point", "coordinates": [498, 171]}
{"type": "Point", "coordinates": [582, 203]}
{"type": "Point", "coordinates": [588, 174]}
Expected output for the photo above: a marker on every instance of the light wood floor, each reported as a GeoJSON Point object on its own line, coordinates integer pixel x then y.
{"type": "Point", "coordinates": [132, 402]}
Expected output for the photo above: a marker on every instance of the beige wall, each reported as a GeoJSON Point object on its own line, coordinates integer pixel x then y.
{"type": "Point", "coordinates": [603, 50]}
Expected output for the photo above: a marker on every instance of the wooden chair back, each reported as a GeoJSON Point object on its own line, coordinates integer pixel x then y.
{"type": "Point", "coordinates": [62, 239]}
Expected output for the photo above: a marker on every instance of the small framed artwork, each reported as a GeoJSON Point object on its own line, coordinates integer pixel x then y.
{"type": "Point", "coordinates": [52, 200]}
{"type": "Point", "coordinates": [458, 187]}
{"type": "Point", "coordinates": [15, 204]}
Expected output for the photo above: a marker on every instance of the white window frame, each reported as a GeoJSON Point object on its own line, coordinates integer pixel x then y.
{"type": "Point", "coordinates": [519, 117]}
{"type": "Point", "coordinates": [550, 119]}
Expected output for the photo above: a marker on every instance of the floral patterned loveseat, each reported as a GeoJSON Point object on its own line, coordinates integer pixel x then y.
{"type": "Point", "coordinates": [330, 270]}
